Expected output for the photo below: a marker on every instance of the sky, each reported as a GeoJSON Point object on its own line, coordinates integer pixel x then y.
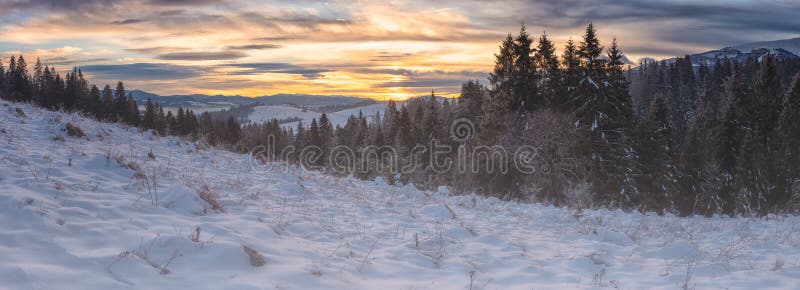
{"type": "Point", "coordinates": [378, 49]}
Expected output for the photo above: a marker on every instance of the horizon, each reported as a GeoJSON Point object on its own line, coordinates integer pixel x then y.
{"type": "Point", "coordinates": [360, 49]}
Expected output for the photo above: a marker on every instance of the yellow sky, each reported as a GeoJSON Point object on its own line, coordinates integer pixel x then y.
{"type": "Point", "coordinates": [378, 49]}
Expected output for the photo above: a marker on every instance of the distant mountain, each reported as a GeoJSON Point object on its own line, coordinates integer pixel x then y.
{"type": "Point", "coordinates": [196, 101]}
{"type": "Point", "coordinates": [786, 48]}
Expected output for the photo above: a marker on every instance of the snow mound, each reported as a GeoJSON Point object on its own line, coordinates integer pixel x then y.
{"type": "Point", "coordinates": [182, 199]}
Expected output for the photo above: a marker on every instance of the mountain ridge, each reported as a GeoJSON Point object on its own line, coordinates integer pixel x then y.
{"type": "Point", "coordinates": [782, 49]}
{"type": "Point", "coordinates": [202, 100]}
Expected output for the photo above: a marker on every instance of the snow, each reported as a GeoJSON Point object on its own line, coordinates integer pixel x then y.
{"type": "Point", "coordinates": [92, 225]}
{"type": "Point", "coordinates": [265, 113]}
{"type": "Point", "coordinates": [791, 45]}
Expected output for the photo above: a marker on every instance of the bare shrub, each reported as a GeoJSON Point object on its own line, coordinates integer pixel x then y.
{"type": "Point", "coordinates": [143, 252]}
{"type": "Point", "coordinates": [578, 197]}
{"type": "Point", "coordinates": [58, 138]}
{"type": "Point", "coordinates": [315, 270]}
{"type": "Point", "coordinates": [554, 163]}
{"type": "Point", "coordinates": [195, 237]}
{"type": "Point", "coordinates": [151, 155]}
{"type": "Point", "coordinates": [138, 172]}
{"type": "Point", "coordinates": [18, 111]}
{"type": "Point", "coordinates": [687, 280]}
{"type": "Point", "coordinates": [148, 179]}
{"type": "Point", "coordinates": [74, 130]}
{"type": "Point", "coordinates": [256, 259]}
{"type": "Point", "coordinates": [210, 197]}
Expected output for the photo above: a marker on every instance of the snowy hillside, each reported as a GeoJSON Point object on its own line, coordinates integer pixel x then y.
{"type": "Point", "coordinates": [264, 113]}
{"type": "Point", "coordinates": [100, 212]}
{"type": "Point", "coordinates": [791, 45]}
{"type": "Point", "coordinates": [782, 49]}
{"type": "Point", "coordinates": [201, 103]}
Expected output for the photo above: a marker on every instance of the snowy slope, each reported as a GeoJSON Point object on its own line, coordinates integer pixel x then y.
{"type": "Point", "coordinates": [71, 218]}
{"type": "Point", "coordinates": [781, 49]}
{"type": "Point", "coordinates": [264, 113]}
{"type": "Point", "coordinates": [791, 45]}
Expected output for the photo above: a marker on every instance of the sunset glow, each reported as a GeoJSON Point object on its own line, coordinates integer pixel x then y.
{"type": "Point", "coordinates": [395, 49]}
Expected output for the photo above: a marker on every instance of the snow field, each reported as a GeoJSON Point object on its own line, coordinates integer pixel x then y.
{"type": "Point", "coordinates": [265, 113]}
{"type": "Point", "coordinates": [99, 213]}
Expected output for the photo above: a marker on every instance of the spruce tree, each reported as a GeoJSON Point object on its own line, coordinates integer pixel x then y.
{"type": "Point", "coordinates": [698, 186]}
{"type": "Point", "coordinates": [604, 115]}
{"type": "Point", "coordinates": [120, 103]}
{"type": "Point", "coordinates": [589, 51]}
{"type": "Point", "coordinates": [523, 77]}
{"type": "Point", "coordinates": [502, 78]}
{"type": "Point", "coordinates": [788, 133]}
{"type": "Point", "coordinates": [734, 123]}
{"type": "Point", "coordinates": [549, 75]}
{"type": "Point", "coordinates": [570, 77]}
{"type": "Point", "coordinates": [180, 122]}
{"type": "Point", "coordinates": [149, 115]}
{"type": "Point", "coordinates": [107, 103]}
{"type": "Point", "coordinates": [769, 100]}
{"type": "Point", "coordinates": [471, 100]}
{"type": "Point", "coordinates": [657, 157]}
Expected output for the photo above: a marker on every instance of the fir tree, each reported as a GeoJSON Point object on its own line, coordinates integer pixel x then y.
{"type": "Point", "coordinates": [789, 148]}
{"type": "Point", "coordinates": [589, 51]}
{"type": "Point", "coordinates": [107, 103]}
{"type": "Point", "coordinates": [699, 184]}
{"type": "Point", "coordinates": [120, 103]}
{"type": "Point", "coordinates": [523, 77]}
{"type": "Point", "coordinates": [733, 125]}
{"type": "Point", "coordinates": [502, 78]}
{"type": "Point", "coordinates": [148, 120]}
{"type": "Point", "coordinates": [658, 155]}
{"type": "Point", "coordinates": [549, 73]}
{"type": "Point", "coordinates": [570, 78]}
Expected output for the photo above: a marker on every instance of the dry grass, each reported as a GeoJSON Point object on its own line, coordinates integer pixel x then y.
{"type": "Point", "coordinates": [75, 131]}
{"type": "Point", "coordinates": [256, 259]}
{"type": "Point", "coordinates": [210, 197]}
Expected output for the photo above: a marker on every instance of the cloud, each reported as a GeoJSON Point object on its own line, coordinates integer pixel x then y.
{"type": "Point", "coordinates": [142, 71]}
{"type": "Point", "coordinates": [389, 56]}
{"type": "Point", "coordinates": [153, 49]}
{"type": "Point", "coordinates": [280, 68]}
{"type": "Point", "coordinates": [422, 83]}
{"type": "Point", "coordinates": [254, 46]}
{"type": "Point", "coordinates": [359, 46]}
{"type": "Point", "coordinates": [277, 38]}
{"type": "Point", "coordinates": [128, 21]}
{"type": "Point", "coordinates": [70, 61]}
{"type": "Point", "coordinates": [219, 55]}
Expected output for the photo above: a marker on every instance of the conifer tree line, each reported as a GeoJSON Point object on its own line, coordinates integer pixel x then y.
{"type": "Point", "coordinates": [665, 136]}
{"type": "Point", "coordinates": [43, 86]}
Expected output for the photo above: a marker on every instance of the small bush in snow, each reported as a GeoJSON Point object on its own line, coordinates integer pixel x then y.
{"type": "Point", "coordinates": [74, 131]}
{"type": "Point", "coordinates": [256, 259]}
{"type": "Point", "coordinates": [138, 172]}
{"type": "Point", "coordinates": [210, 197]}
{"type": "Point", "coordinates": [19, 112]}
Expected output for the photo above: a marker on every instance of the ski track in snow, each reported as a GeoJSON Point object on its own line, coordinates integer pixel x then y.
{"type": "Point", "coordinates": [92, 225]}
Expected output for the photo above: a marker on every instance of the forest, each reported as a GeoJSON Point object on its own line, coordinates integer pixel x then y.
{"type": "Point", "coordinates": [665, 136]}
